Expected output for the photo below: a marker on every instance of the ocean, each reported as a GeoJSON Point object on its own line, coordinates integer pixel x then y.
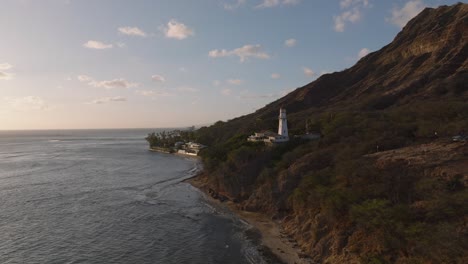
{"type": "Point", "coordinates": [99, 196]}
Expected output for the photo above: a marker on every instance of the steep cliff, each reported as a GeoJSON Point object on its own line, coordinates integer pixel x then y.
{"type": "Point", "coordinates": [385, 184]}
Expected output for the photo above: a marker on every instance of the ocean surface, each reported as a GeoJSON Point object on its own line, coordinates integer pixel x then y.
{"type": "Point", "coordinates": [99, 196]}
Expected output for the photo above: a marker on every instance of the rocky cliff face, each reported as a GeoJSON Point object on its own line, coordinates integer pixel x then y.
{"type": "Point", "coordinates": [380, 186]}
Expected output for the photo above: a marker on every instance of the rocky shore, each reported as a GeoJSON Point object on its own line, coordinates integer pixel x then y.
{"type": "Point", "coordinates": [274, 244]}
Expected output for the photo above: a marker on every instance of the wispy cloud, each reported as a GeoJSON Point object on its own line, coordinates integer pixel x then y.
{"type": "Point", "coordinates": [5, 66]}
{"type": "Point", "coordinates": [106, 100]}
{"type": "Point", "coordinates": [132, 31]}
{"type": "Point", "coordinates": [26, 103]}
{"type": "Point", "coordinates": [94, 44]}
{"type": "Point", "coordinates": [187, 89]}
{"type": "Point", "coordinates": [226, 92]}
{"type": "Point", "coordinates": [107, 84]}
{"type": "Point", "coordinates": [275, 76]}
{"type": "Point", "coordinates": [274, 3]}
{"type": "Point", "coordinates": [363, 52]}
{"type": "Point", "coordinates": [308, 72]}
{"type": "Point", "coordinates": [234, 4]}
{"type": "Point", "coordinates": [151, 93]}
{"type": "Point", "coordinates": [290, 43]}
{"type": "Point", "coordinates": [3, 74]}
{"type": "Point", "coordinates": [112, 84]}
{"type": "Point", "coordinates": [401, 16]}
{"type": "Point", "coordinates": [158, 78]}
{"type": "Point", "coordinates": [348, 3]}
{"type": "Point", "coordinates": [245, 52]}
{"type": "Point", "coordinates": [235, 81]}
{"type": "Point", "coordinates": [84, 78]}
{"type": "Point", "coordinates": [352, 13]}
{"type": "Point", "coordinates": [291, 2]}
{"type": "Point", "coordinates": [177, 30]}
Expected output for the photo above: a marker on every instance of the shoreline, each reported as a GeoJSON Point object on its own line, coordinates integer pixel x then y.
{"type": "Point", "coordinates": [165, 151]}
{"type": "Point", "coordinates": [273, 244]}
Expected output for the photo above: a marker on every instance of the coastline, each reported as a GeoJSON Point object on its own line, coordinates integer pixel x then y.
{"type": "Point", "coordinates": [275, 246]}
{"type": "Point", "coordinates": [166, 151]}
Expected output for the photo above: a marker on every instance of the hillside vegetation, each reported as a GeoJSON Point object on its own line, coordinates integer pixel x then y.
{"type": "Point", "coordinates": [385, 184]}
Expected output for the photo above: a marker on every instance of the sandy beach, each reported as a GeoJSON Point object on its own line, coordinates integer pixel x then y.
{"type": "Point", "coordinates": [276, 246]}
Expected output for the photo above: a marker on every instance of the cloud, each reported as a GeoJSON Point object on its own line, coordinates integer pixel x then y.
{"type": "Point", "coordinates": [27, 103]}
{"type": "Point", "coordinates": [275, 76]}
{"type": "Point", "coordinates": [106, 100]}
{"type": "Point", "coordinates": [151, 93]}
{"type": "Point", "coordinates": [309, 72]}
{"type": "Point", "coordinates": [216, 83]}
{"type": "Point", "coordinates": [121, 44]}
{"type": "Point", "coordinates": [363, 52]}
{"type": "Point", "coordinates": [234, 81]}
{"type": "Point", "coordinates": [177, 30]}
{"type": "Point", "coordinates": [187, 89]}
{"type": "Point", "coordinates": [84, 78]}
{"type": "Point", "coordinates": [115, 83]}
{"type": "Point", "coordinates": [348, 3]}
{"type": "Point", "coordinates": [245, 52]}
{"type": "Point", "coordinates": [274, 3]}
{"type": "Point", "coordinates": [290, 43]}
{"type": "Point", "coordinates": [401, 16]}
{"type": "Point", "coordinates": [5, 66]}
{"type": "Point", "coordinates": [5, 75]}
{"type": "Point", "coordinates": [291, 2]}
{"type": "Point", "coordinates": [158, 78]}
{"type": "Point", "coordinates": [268, 3]}
{"type": "Point", "coordinates": [93, 44]}
{"type": "Point", "coordinates": [236, 4]}
{"type": "Point", "coordinates": [110, 84]}
{"type": "Point", "coordinates": [132, 31]}
{"type": "Point", "coordinates": [353, 16]}
{"type": "Point", "coordinates": [226, 91]}
{"type": "Point", "coordinates": [352, 13]}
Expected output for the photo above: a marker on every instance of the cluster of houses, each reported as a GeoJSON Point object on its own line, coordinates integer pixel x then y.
{"type": "Point", "coordinates": [190, 148]}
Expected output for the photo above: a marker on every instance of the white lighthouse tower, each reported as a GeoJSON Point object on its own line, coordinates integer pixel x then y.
{"type": "Point", "coordinates": [283, 124]}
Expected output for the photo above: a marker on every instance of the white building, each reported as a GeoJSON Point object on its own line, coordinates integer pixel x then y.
{"type": "Point", "coordinates": [271, 137]}
{"type": "Point", "coordinates": [190, 148]}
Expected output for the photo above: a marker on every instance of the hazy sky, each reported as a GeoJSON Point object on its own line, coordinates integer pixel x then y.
{"type": "Point", "coordinates": [166, 63]}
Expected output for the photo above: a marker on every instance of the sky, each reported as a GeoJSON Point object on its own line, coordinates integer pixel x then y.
{"type": "Point", "coordinates": [79, 64]}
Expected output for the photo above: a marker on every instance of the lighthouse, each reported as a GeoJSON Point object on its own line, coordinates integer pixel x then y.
{"type": "Point", "coordinates": [283, 124]}
{"type": "Point", "coordinates": [270, 137]}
